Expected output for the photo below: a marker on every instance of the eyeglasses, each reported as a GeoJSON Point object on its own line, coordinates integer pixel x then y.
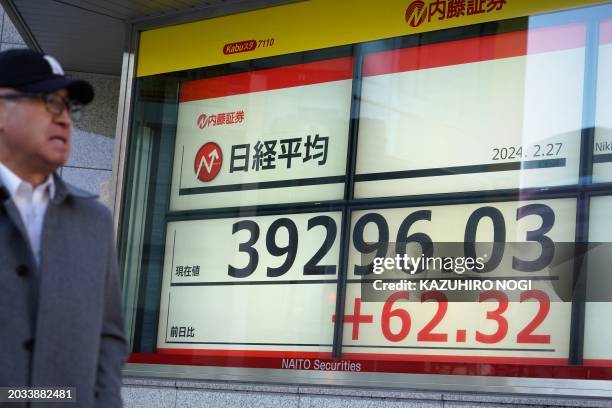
{"type": "Point", "coordinates": [56, 104]}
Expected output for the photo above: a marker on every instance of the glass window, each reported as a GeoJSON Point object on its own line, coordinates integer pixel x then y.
{"type": "Point", "coordinates": [436, 118]}
{"type": "Point", "coordinates": [263, 194]}
{"type": "Point", "coordinates": [602, 153]}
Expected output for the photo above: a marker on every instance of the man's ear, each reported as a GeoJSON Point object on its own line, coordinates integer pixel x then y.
{"type": "Point", "coordinates": [3, 107]}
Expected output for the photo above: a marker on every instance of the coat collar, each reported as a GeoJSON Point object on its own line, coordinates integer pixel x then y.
{"type": "Point", "coordinates": [64, 190]}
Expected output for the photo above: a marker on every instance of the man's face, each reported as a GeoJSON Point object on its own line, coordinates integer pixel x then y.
{"type": "Point", "coordinates": [32, 138]}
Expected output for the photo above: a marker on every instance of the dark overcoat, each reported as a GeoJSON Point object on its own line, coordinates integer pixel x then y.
{"type": "Point", "coordinates": [61, 323]}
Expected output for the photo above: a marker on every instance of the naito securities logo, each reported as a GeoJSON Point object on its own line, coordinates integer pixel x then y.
{"type": "Point", "coordinates": [418, 12]}
{"type": "Point", "coordinates": [218, 119]}
{"type": "Point", "coordinates": [209, 158]}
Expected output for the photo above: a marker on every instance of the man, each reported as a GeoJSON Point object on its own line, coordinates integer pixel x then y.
{"type": "Point", "coordinates": [60, 302]}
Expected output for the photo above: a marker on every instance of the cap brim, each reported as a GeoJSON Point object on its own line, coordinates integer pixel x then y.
{"type": "Point", "coordinates": [78, 90]}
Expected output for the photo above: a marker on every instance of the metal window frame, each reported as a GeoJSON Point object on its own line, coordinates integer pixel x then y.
{"type": "Point", "coordinates": [458, 383]}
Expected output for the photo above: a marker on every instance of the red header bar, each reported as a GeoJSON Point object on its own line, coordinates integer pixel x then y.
{"type": "Point", "coordinates": [268, 79]}
{"type": "Point", "coordinates": [597, 362]}
{"type": "Point", "coordinates": [408, 59]}
{"type": "Point", "coordinates": [243, 353]}
{"type": "Point", "coordinates": [476, 49]}
{"type": "Point", "coordinates": [355, 362]}
{"type": "Point", "coordinates": [605, 32]}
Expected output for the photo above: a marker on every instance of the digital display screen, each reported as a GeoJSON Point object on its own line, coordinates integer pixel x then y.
{"type": "Point", "coordinates": [271, 136]}
{"type": "Point", "coordinates": [291, 184]}
{"type": "Point", "coordinates": [602, 149]}
{"type": "Point", "coordinates": [475, 114]}
{"type": "Point", "coordinates": [598, 307]}
{"type": "Point", "coordinates": [266, 282]}
{"type": "Point", "coordinates": [493, 325]}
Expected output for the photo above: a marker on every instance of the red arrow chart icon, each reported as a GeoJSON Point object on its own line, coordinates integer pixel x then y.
{"type": "Point", "coordinates": [208, 161]}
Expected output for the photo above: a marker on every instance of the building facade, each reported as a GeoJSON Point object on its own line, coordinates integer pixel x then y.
{"type": "Point", "coordinates": [277, 171]}
{"type": "Point", "coordinates": [329, 203]}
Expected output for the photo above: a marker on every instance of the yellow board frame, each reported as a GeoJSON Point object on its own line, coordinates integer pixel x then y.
{"type": "Point", "coordinates": [311, 25]}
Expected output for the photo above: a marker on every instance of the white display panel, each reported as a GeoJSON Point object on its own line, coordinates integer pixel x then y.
{"type": "Point", "coordinates": [262, 283]}
{"type": "Point", "coordinates": [469, 115]}
{"type": "Point", "coordinates": [263, 137]}
{"type": "Point", "coordinates": [597, 328]}
{"type": "Point", "coordinates": [531, 324]}
{"type": "Point", "coordinates": [602, 154]}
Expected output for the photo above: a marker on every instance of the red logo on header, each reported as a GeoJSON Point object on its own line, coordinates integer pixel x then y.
{"type": "Point", "coordinates": [242, 46]}
{"type": "Point", "coordinates": [218, 119]}
{"type": "Point", "coordinates": [203, 121]}
{"type": "Point", "coordinates": [208, 162]}
{"type": "Point", "coordinates": [416, 13]}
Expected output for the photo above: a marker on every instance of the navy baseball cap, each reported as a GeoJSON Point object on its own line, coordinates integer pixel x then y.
{"type": "Point", "coordinates": [32, 72]}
